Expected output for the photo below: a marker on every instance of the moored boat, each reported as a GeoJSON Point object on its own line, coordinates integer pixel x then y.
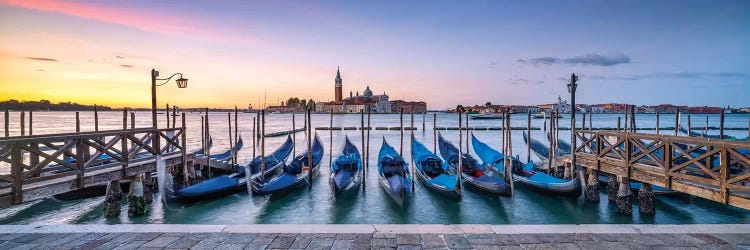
{"type": "Point", "coordinates": [231, 183]}
{"type": "Point", "coordinates": [526, 174]}
{"type": "Point", "coordinates": [434, 172]}
{"type": "Point", "coordinates": [295, 174]}
{"type": "Point", "coordinates": [476, 175]}
{"type": "Point", "coordinates": [393, 173]}
{"type": "Point", "coordinates": [346, 170]}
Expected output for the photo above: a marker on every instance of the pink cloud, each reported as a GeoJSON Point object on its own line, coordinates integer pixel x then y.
{"type": "Point", "coordinates": [143, 19]}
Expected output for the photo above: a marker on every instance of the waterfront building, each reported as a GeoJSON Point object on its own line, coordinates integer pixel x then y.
{"type": "Point", "coordinates": [364, 102]}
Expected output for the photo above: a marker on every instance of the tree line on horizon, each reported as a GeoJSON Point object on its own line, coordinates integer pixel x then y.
{"type": "Point", "coordinates": [13, 104]}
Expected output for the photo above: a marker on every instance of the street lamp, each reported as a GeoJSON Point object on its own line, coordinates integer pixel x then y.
{"type": "Point", "coordinates": [181, 83]}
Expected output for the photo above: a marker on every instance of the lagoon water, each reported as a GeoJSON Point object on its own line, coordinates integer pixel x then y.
{"type": "Point", "coordinates": [371, 205]}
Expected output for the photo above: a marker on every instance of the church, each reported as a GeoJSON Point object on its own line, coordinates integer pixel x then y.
{"type": "Point", "coordinates": [354, 103]}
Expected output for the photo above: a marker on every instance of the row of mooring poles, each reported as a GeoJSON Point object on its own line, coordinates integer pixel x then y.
{"type": "Point", "coordinates": [507, 150]}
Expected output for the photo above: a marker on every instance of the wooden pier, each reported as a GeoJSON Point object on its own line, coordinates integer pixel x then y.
{"type": "Point", "coordinates": [45, 165]}
{"type": "Point", "coordinates": [714, 169]}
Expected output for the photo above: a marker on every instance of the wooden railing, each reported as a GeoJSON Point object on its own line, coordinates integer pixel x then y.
{"type": "Point", "coordinates": [710, 168]}
{"type": "Point", "coordinates": [44, 160]}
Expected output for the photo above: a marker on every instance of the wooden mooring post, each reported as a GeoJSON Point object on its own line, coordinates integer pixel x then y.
{"type": "Point", "coordinates": [434, 132]}
{"type": "Point", "coordinates": [362, 130]}
{"type": "Point", "coordinates": [401, 130]}
{"type": "Point", "coordinates": [78, 122]}
{"type": "Point", "coordinates": [96, 119]}
{"type": "Point", "coordinates": [294, 134]}
{"type": "Point", "coordinates": [459, 167]}
{"type": "Point", "coordinates": [367, 150]}
{"type": "Point", "coordinates": [23, 123]}
{"type": "Point", "coordinates": [7, 117]}
{"type": "Point", "coordinates": [412, 158]}
{"type": "Point", "coordinates": [263, 145]}
{"type": "Point", "coordinates": [308, 130]}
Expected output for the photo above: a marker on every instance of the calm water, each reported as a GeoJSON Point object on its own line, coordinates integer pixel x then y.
{"type": "Point", "coordinates": [315, 205]}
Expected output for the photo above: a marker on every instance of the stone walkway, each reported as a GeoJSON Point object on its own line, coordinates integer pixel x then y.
{"type": "Point", "coordinates": [82, 238]}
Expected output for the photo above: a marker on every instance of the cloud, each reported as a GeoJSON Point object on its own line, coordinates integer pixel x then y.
{"type": "Point", "coordinates": [675, 75]}
{"type": "Point", "coordinates": [588, 59]}
{"type": "Point", "coordinates": [120, 57]}
{"type": "Point", "coordinates": [42, 59]}
{"type": "Point", "coordinates": [126, 65]}
{"type": "Point", "coordinates": [170, 23]}
{"type": "Point", "coordinates": [518, 81]}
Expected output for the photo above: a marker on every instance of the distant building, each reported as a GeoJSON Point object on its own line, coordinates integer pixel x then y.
{"type": "Point", "coordinates": [408, 107]}
{"type": "Point", "coordinates": [705, 110]}
{"type": "Point", "coordinates": [366, 101]}
{"type": "Point", "coordinates": [561, 106]}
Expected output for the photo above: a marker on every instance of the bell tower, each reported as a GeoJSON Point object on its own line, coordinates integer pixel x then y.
{"type": "Point", "coordinates": [337, 87]}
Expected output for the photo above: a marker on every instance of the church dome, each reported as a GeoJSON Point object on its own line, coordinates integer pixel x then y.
{"type": "Point", "coordinates": [367, 92]}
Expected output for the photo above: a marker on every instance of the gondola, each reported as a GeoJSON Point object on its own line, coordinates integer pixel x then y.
{"type": "Point", "coordinates": [526, 174]}
{"type": "Point", "coordinates": [227, 184]}
{"type": "Point", "coordinates": [294, 174]}
{"type": "Point", "coordinates": [394, 173]}
{"type": "Point", "coordinates": [433, 172]}
{"type": "Point", "coordinates": [346, 170]}
{"type": "Point", "coordinates": [476, 175]}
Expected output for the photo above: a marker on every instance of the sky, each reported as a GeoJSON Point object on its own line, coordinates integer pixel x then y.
{"type": "Point", "coordinates": [442, 52]}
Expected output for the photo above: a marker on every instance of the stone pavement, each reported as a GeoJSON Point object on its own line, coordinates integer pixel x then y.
{"type": "Point", "coordinates": [216, 237]}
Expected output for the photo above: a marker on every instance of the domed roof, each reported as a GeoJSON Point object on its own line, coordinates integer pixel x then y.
{"type": "Point", "coordinates": [367, 92]}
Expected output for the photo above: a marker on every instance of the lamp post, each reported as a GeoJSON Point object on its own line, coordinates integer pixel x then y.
{"type": "Point", "coordinates": [181, 83]}
{"type": "Point", "coordinates": [572, 90]}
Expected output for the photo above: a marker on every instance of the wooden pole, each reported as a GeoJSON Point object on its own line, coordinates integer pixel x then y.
{"type": "Point", "coordinates": [705, 131]}
{"type": "Point", "coordinates": [262, 145]}
{"type": "Point", "coordinates": [401, 144]}
{"type": "Point", "coordinates": [434, 132]}
{"type": "Point", "coordinates": [166, 112]}
{"type": "Point", "coordinates": [528, 135]}
{"type": "Point", "coordinates": [748, 129]}
{"type": "Point", "coordinates": [78, 123]}
{"type": "Point", "coordinates": [551, 148]}
{"type": "Point", "coordinates": [174, 116]}
{"type": "Point", "coordinates": [677, 123]}
{"type": "Point", "coordinates": [504, 133]}
{"type": "Point", "coordinates": [309, 146]}
{"type": "Point", "coordinates": [124, 143]}
{"type": "Point", "coordinates": [23, 123]}
{"type": "Point", "coordinates": [31, 122]}
{"type": "Point", "coordinates": [367, 150]}
{"type": "Point", "coordinates": [254, 138]}
{"type": "Point", "coordinates": [132, 121]}
{"type": "Point", "coordinates": [294, 135]}
{"type": "Point", "coordinates": [183, 143]}
{"type": "Point", "coordinates": [627, 119]}
{"type": "Point", "coordinates": [544, 117]}
{"type": "Point", "coordinates": [591, 119]}
{"type": "Point", "coordinates": [459, 167]}
{"type": "Point", "coordinates": [510, 153]}
{"type": "Point", "coordinates": [721, 124]}
{"type": "Point", "coordinates": [203, 135]}
{"type": "Point", "coordinates": [618, 123]}
{"type": "Point", "coordinates": [362, 125]}
{"type": "Point", "coordinates": [330, 143]}
{"type": "Point", "coordinates": [633, 126]}
{"type": "Point", "coordinates": [412, 158]}
{"type": "Point", "coordinates": [96, 119]}
{"type": "Point", "coordinates": [657, 123]}
{"type": "Point", "coordinates": [688, 126]}
{"type": "Point", "coordinates": [583, 120]}
{"type": "Point", "coordinates": [7, 116]}
{"type": "Point", "coordinates": [231, 139]}
{"type": "Point", "coordinates": [467, 132]}
{"type": "Point", "coordinates": [423, 116]}
{"type": "Point", "coordinates": [208, 149]}
{"type": "Point", "coordinates": [236, 134]}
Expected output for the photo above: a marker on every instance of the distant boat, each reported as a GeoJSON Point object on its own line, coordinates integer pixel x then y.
{"type": "Point", "coordinates": [294, 174]}
{"type": "Point", "coordinates": [346, 170]}
{"type": "Point", "coordinates": [434, 172]}
{"type": "Point", "coordinates": [394, 173]}
{"type": "Point", "coordinates": [487, 116]}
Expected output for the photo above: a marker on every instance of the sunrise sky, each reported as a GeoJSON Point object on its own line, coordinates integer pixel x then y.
{"type": "Point", "coordinates": [442, 52]}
